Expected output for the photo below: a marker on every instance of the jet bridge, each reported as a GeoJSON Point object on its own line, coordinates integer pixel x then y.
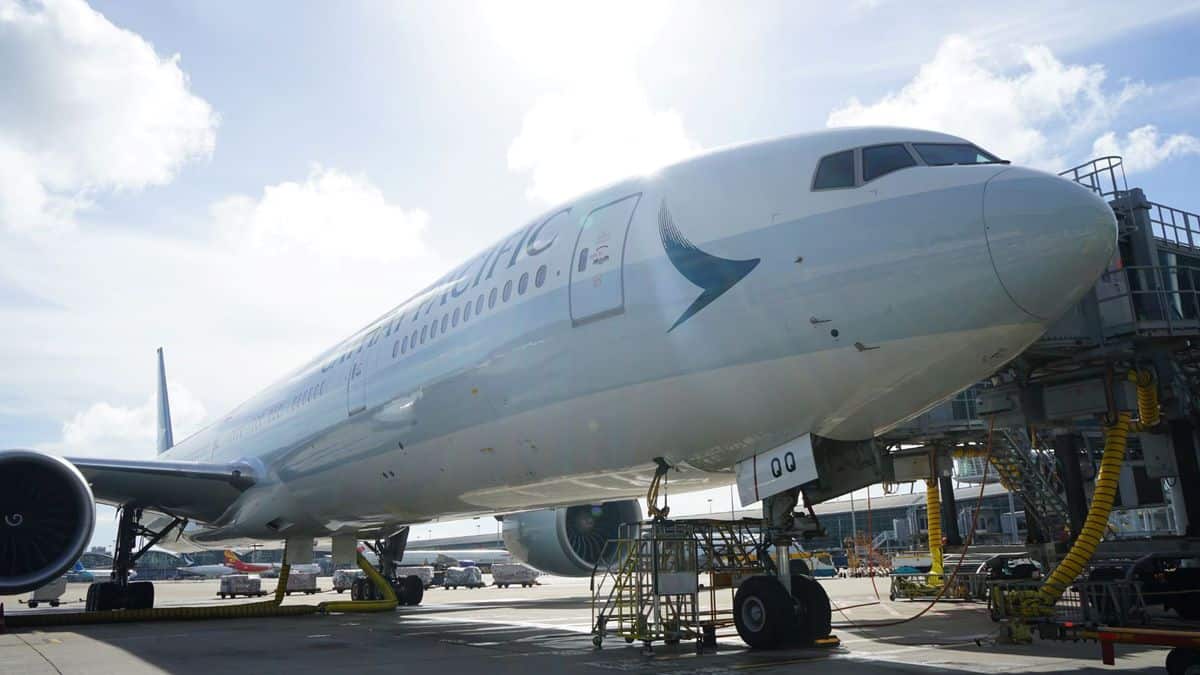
{"type": "Point", "coordinates": [1046, 418]}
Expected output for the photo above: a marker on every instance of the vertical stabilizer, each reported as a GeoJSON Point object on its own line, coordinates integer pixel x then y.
{"type": "Point", "coordinates": [165, 437]}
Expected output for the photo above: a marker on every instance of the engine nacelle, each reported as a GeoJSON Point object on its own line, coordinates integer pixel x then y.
{"type": "Point", "coordinates": [47, 515]}
{"type": "Point", "coordinates": [567, 541]}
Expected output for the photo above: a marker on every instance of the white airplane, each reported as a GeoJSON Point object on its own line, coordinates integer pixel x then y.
{"type": "Point", "coordinates": [235, 565]}
{"type": "Point", "coordinates": [773, 305]}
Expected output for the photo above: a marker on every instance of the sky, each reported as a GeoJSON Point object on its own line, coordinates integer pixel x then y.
{"type": "Point", "coordinates": [243, 184]}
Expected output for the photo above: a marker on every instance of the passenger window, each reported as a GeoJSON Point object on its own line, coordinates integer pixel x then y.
{"type": "Point", "coordinates": [835, 171]}
{"type": "Point", "coordinates": [454, 319]}
{"type": "Point", "coordinates": [879, 160]}
{"type": "Point", "coordinates": [423, 329]}
{"type": "Point", "coordinates": [523, 284]}
{"type": "Point", "coordinates": [507, 290]}
{"type": "Point", "coordinates": [467, 311]}
{"type": "Point", "coordinates": [433, 329]}
{"type": "Point", "coordinates": [582, 260]}
{"type": "Point", "coordinates": [413, 341]}
{"type": "Point", "coordinates": [479, 304]}
{"type": "Point", "coordinates": [395, 349]}
{"type": "Point", "coordinates": [540, 277]}
{"type": "Point", "coordinates": [445, 320]}
{"type": "Point", "coordinates": [492, 299]}
{"type": "Point", "coordinates": [404, 346]}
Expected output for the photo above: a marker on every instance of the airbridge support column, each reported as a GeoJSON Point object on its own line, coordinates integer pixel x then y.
{"type": "Point", "coordinates": [949, 512]}
{"type": "Point", "coordinates": [1068, 459]}
{"type": "Point", "coordinates": [1183, 438]}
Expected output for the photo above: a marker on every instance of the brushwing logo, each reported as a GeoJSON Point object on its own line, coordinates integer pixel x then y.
{"type": "Point", "coordinates": [713, 274]}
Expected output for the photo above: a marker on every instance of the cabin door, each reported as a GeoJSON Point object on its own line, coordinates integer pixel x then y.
{"type": "Point", "coordinates": [597, 287]}
{"type": "Point", "coordinates": [356, 379]}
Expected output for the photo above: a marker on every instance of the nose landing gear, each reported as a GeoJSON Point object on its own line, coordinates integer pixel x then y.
{"type": "Point", "coordinates": [783, 609]}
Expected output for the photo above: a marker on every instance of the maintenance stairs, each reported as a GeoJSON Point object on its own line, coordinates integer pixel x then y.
{"type": "Point", "coordinates": [651, 590]}
{"type": "Point", "coordinates": [1031, 474]}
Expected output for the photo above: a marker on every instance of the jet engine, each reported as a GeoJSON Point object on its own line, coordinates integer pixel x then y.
{"type": "Point", "coordinates": [47, 514]}
{"type": "Point", "coordinates": [570, 540]}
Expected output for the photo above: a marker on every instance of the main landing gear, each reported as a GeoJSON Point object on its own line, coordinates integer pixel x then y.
{"type": "Point", "coordinates": [784, 609]}
{"type": "Point", "coordinates": [120, 592]}
{"type": "Point", "coordinates": [409, 590]}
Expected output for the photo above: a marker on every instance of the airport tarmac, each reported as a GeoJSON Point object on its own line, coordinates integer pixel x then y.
{"type": "Point", "coordinates": [540, 630]}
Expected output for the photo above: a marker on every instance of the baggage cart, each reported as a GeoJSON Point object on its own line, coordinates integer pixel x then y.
{"type": "Point", "coordinates": [233, 585]}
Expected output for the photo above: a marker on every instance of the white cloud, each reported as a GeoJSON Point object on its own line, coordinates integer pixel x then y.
{"type": "Point", "coordinates": [1142, 149]}
{"type": "Point", "coordinates": [106, 430]}
{"type": "Point", "coordinates": [1036, 115]}
{"type": "Point", "coordinates": [86, 107]}
{"type": "Point", "coordinates": [283, 276]}
{"type": "Point", "coordinates": [587, 137]}
{"type": "Point", "coordinates": [331, 213]}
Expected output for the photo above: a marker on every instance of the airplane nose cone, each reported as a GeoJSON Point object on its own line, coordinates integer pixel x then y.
{"type": "Point", "coordinates": [1049, 239]}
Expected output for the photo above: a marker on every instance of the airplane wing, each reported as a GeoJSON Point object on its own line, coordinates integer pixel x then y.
{"type": "Point", "coordinates": [197, 490]}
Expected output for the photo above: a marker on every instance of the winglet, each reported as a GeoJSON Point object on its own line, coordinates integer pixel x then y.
{"type": "Point", "coordinates": [166, 438]}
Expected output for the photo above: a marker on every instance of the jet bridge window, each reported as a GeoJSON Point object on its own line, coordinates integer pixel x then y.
{"type": "Point", "coordinates": [880, 160]}
{"type": "Point", "coordinates": [945, 154]}
{"type": "Point", "coordinates": [835, 171]}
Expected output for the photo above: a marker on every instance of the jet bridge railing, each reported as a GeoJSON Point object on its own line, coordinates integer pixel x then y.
{"type": "Point", "coordinates": [1104, 175]}
{"type": "Point", "coordinates": [1175, 226]}
{"type": "Point", "coordinates": [1151, 300]}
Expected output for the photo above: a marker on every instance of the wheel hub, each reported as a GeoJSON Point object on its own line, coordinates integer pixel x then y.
{"type": "Point", "coordinates": [754, 614]}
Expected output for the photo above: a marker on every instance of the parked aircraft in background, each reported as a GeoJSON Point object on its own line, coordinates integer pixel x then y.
{"type": "Point", "coordinates": [235, 565]}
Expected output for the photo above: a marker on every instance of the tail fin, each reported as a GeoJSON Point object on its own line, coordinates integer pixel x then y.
{"type": "Point", "coordinates": [231, 557]}
{"type": "Point", "coordinates": [166, 438]}
{"type": "Point", "coordinates": [78, 566]}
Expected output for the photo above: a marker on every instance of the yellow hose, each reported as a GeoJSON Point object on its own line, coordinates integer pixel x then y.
{"type": "Point", "coordinates": [1097, 518]}
{"type": "Point", "coordinates": [933, 504]}
{"type": "Point", "coordinates": [387, 604]}
{"type": "Point", "coordinates": [1115, 438]}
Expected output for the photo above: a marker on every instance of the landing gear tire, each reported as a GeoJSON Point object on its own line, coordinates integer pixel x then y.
{"type": "Point", "coordinates": [139, 595]}
{"type": "Point", "coordinates": [1181, 661]}
{"type": "Point", "coordinates": [763, 613]}
{"type": "Point", "coordinates": [814, 615]}
{"type": "Point", "coordinates": [414, 590]}
{"type": "Point", "coordinates": [103, 596]}
{"type": "Point", "coordinates": [32, 604]}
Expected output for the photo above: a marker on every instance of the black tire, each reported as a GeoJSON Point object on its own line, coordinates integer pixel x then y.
{"type": "Point", "coordinates": [54, 603]}
{"type": "Point", "coordinates": [103, 596]}
{"type": "Point", "coordinates": [1181, 659]}
{"type": "Point", "coordinates": [139, 595]}
{"type": "Point", "coordinates": [32, 604]}
{"type": "Point", "coordinates": [814, 615]}
{"type": "Point", "coordinates": [763, 613]}
{"type": "Point", "coordinates": [414, 590]}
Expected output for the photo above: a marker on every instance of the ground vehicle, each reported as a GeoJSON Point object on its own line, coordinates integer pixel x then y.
{"type": "Point", "coordinates": [49, 594]}
{"type": "Point", "coordinates": [467, 577]}
{"type": "Point", "coordinates": [233, 585]}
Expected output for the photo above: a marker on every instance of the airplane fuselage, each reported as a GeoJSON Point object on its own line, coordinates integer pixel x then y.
{"type": "Point", "coordinates": [702, 314]}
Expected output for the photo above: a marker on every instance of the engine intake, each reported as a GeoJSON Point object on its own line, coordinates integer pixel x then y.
{"type": "Point", "coordinates": [570, 540]}
{"type": "Point", "coordinates": [47, 515]}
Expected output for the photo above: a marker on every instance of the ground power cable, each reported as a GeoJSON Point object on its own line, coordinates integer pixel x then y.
{"type": "Point", "coordinates": [849, 623]}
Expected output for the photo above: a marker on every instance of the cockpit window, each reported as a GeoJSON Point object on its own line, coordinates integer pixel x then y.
{"type": "Point", "coordinates": [879, 160]}
{"type": "Point", "coordinates": [945, 154]}
{"type": "Point", "coordinates": [835, 171]}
